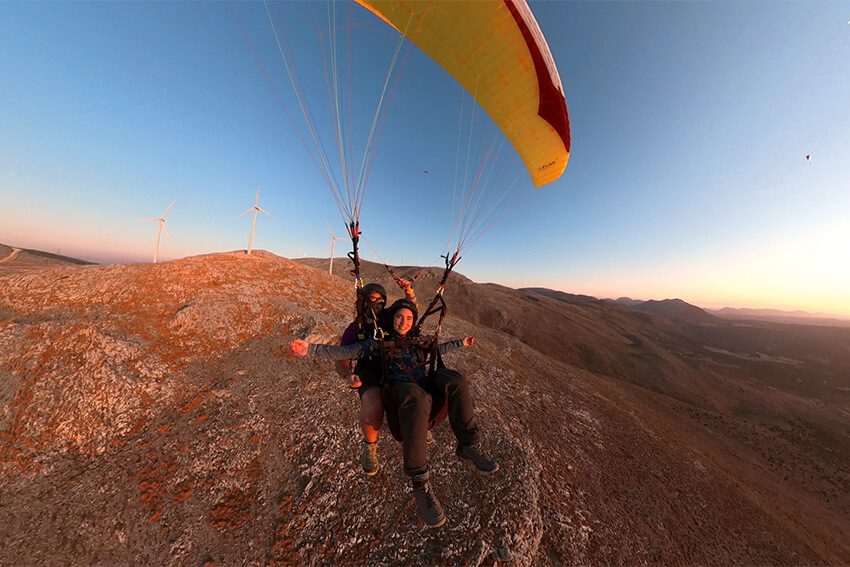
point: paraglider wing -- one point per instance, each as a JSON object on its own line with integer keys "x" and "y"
{"x": 496, "y": 50}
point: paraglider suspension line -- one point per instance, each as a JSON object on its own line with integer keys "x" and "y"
{"x": 438, "y": 304}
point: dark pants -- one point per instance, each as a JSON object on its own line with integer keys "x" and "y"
{"x": 411, "y": 404}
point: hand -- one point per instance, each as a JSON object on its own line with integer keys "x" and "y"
{"x": 353, "y": 380}
{"x": 299, "y": 348}
{"x": 468, "y": 341}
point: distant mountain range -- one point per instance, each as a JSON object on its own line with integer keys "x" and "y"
{"x": 782, "y": 316}
{"x": 678, "y": 310}
{"x": 684, "y": 313}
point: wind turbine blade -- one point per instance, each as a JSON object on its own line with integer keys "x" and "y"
{"x": 329, "y": 229}
{"x": 245, "y": 213}
{"x": 265, "y": 211}
{"x": 166, "y": 230}
{"x": 329, "y": 247}
{"x": 257, "y": 200}
{"x": 147, "y": 219}
{"x": 169, "y": 207}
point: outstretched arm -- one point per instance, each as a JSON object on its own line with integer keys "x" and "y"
{"x": 357, "y": 350}
{"x": 456, "y": 344}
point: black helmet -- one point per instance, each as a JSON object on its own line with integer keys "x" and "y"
{"x": 371, "y": 288}
{"x": 403, "y": 303}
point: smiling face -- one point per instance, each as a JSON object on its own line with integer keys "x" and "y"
{"x": 403, "y": 321}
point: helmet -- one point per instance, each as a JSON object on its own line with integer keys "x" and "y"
{"x": 372, "y": 309}
{"x": 371, "y": 288}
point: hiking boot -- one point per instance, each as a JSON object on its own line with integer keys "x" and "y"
{"x": 481, "y": 462}
{"x": 369, "y": 458}
{"x": 428, "y": 437}
{"x": 429, "y": 507}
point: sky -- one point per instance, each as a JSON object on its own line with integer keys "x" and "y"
{"x": 688, "y": 176}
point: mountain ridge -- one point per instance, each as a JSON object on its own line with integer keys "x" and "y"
{"x": 44, "y": 259}
{"x": 776, "y": 315}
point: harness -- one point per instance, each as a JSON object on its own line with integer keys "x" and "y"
{"x": 369, "y": 328}
{"x": 427, "y": 346}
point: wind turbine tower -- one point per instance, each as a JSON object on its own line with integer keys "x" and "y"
{"x": 161, "y": 221}
{"x": 332, "y": 245}
{"x": 256, "y": 208}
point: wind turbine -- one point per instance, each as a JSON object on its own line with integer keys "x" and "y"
{"x": 332, "y": 245}
{"x": 161, "y": 221}
{"x": 256, "y": 208}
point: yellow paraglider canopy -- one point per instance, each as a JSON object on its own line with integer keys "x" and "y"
{"x": 496, "y": 50}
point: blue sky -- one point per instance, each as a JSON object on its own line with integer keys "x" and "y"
{"x": 688, "y": 178}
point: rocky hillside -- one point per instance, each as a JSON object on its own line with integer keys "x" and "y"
{"x": 152, "y": 414}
